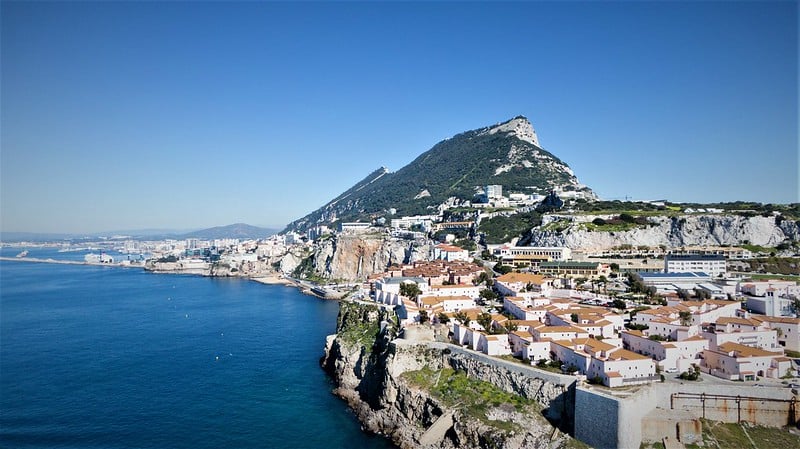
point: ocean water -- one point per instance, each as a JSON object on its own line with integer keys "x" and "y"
{"x": 101, "y": 357}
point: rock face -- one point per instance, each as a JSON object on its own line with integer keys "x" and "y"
{"x": 368, "y": 375}
{"x": 687, "y": 230}
{"x": 355, "y": 256}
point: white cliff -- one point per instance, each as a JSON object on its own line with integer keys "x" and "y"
{"x": 713, "y": 230}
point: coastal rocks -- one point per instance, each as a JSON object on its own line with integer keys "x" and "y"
{"x": 689, "y": 230}
{"x": 369, "y": 374}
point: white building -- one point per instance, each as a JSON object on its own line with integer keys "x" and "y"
{"x": 355, "y": 226}
{"x": 450, "y": 253}
{"x": 556, "y": 253}
{"x": 494, "y": 191}
{"x": 423, "y": 221}
{"x": 713, "y": 264}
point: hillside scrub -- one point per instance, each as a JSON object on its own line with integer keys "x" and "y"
{"x": 502, "y": 229}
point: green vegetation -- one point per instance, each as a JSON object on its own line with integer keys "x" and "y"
{"x": 621, "y": 222}
{"x": 692, "y": 374}
{"x": 556, "y": 226}
{"x": 452, "y": 168}
{"x": 777, "y": 265}
{"x": 354, "y": 329}
{"x": 756, "y": 249}
{"x": 306, "y": 271}
{"x": 504, "y": 228}
{"x": 781, "y": 277}
{"x": 618, "y": 207}
{"x": 467, "y": 244}
{"x": 746, "y": 435}
{"x": 792, "y": 354}
{"x": 409, "y": 289}
{"x": 473, "y": 397}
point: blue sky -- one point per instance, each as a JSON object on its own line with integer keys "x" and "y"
{"x": 186, "y": 115}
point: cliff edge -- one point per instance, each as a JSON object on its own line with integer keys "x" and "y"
{"x": 422, "y": 393}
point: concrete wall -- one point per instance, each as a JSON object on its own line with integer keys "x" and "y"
{"x": 763, "y": 412}
{"x": 606, "y": 421}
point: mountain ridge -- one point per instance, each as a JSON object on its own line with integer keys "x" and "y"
{"x": 506, "y": 153}
{"x": 236, "y": 230}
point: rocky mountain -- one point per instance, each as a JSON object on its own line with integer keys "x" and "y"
{"x": 234, "y": 231}
{"x": 676, "y": 231}
{"x": 353, "y": 257}
{"x": 507, "y": 154}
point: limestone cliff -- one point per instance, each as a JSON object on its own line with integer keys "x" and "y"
{"x": 353, "y": 257}
{"x": 667, "y": 231}
{"x": 372, "y": 371}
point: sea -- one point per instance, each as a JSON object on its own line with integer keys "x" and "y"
{"x": 107, "y": 357}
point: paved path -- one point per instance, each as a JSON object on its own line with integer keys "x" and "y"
{"x": 437, "y": 431}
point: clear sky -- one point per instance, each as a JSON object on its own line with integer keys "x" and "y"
{"x": 186, "y": 115}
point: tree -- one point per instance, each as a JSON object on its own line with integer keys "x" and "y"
{"x": 485, "y": 320}
{"x": 488, "y": 294}
{"x": 693, "y": 373}
{"x": 683, "y": 294}
{"x": 618, "y": 304}
{"x": 410, "y": 289}
{"x": 686, "y": 317}
{"x": 461, "y": 317}
{"x": 483, "y": 278}
{"x": 573, "y": 317}
{"x": 502, "y": 269}
{"x": 423, "y": 317}
{"x": 443, "y": 318}
{"x": 511, "y": 326}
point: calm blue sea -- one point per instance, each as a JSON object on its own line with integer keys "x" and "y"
{"x": 101, "y": 357}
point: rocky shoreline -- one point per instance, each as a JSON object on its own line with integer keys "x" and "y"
{"x": 388, "y": 383}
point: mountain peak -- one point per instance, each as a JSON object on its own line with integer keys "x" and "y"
{"x": 506, "y": 154}
{"x": 519, "y": 126}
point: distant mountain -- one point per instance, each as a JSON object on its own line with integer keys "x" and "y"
{"x": 235, "y": 231}
{"x": 506, "y": 154}
{"x": 8, "y": 237}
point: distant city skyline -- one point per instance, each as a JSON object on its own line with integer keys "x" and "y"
{"x": 173, "y": 115}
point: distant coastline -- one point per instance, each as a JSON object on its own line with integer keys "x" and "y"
{"x": 305, "y": 287}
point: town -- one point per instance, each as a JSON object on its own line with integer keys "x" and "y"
{"x": 614, "y": 317}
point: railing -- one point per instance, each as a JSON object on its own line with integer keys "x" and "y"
{"x": 703, "y": 397}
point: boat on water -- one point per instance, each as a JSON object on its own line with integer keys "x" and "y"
{"x": 23, "y": 254}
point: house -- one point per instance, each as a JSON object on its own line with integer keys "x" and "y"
{"x": 450, "y": 252}
{"x": 770, "y": 288}
{"x": 469, "y": 290}
{"x": 673, "y": 355}
{"x": 743, "y": 331}
{"x": 446, "y": 304}
{"x": 613, "y": 366}
{"x": 787, "y": 330}
{"x": 523, "y": 284}
{"x": 526, "y": 308}
{"x": 492, "y": 344}
{"x": 739, "y": 362}
{"x": 543, "y": 332}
